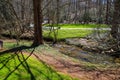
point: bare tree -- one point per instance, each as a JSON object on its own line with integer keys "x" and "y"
{"x": 115, "y": 30}
{"x": 38, "y": 39}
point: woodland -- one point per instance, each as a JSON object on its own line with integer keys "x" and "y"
{"x": 59, "y": 39}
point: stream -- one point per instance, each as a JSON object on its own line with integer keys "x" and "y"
{"x": 90, "y": 49}
{"x": 78, "y": 53}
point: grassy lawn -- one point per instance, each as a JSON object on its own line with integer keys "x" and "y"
{"x": 32, "y": 68}
{"x": 64, "y": 34}
{"x": 81, "y": 25}
{"x": 73, "y": 33}
{"x": 13, "y": 66}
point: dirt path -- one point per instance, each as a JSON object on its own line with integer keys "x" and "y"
{"x": 47, "y": 28}
{"x": 75, "y": 69}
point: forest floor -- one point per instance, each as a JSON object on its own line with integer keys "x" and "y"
{"x": 75, "y": 68}
{"x": 70, "y": 66}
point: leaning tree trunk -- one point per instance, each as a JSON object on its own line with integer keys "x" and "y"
{"x": 38, "y": 39}
{"x": 115, "y": 32}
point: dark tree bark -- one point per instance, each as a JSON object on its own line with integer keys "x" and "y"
{"x": 115, "y": 32}
{"x": 38, "y": 39}
{"x": 107, "y": 12}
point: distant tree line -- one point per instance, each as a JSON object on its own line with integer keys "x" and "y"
{"x": 18, "y": 14}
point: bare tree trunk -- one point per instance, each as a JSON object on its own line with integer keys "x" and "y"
{"x": 115, "y": 32}
{"x": 38, "y": 39}
{"x": 107, "y": 12}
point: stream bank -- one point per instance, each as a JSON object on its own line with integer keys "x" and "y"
{"x": 88, "y": 50}
{"x": 87, "y": 56}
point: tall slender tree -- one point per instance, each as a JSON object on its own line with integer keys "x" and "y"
{"x": 115, "y": 30}
{"x": 38, "y": 39}
{"x": 107, "y": 11}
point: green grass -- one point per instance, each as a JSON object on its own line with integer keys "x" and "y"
{"x": 8, "y": 45}
{"x": 81, "y": 25}
{"x": 40, "y": 70}
{"x": 64, "y": 34}
{"x": 73, "y": 33}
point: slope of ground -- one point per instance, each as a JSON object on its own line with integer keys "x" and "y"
{"x": 75, "y": 68}
{"x": 20, "y": 65}
{"x": 53, "y": 63}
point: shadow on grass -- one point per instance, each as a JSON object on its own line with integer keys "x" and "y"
{"x": 20, "y": 48}
{"x": 17, "y": 54}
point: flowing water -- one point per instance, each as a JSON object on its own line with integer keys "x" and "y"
{"x": 78, "y": 53}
